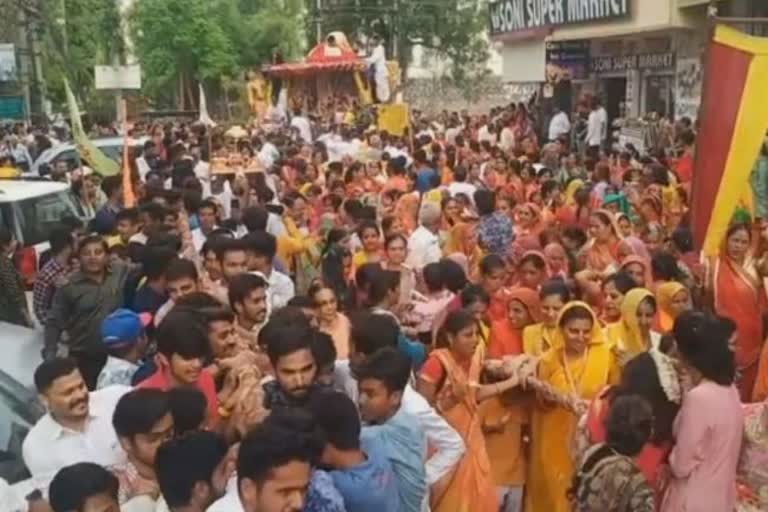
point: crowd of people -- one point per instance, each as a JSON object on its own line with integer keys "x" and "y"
{"x": 471, "y": 318}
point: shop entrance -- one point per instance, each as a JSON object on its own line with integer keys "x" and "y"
{"x": 615, "y": 96}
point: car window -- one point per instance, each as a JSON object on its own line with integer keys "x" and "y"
{"x": 113, "y": 152}
{"x": 19, "y": 411}
{"x": 38, "y": 216}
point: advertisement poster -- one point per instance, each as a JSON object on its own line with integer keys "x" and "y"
{"x": 689, "y": 78}
{"x": 7, "y": 63}
{"x": 568, "y": 58}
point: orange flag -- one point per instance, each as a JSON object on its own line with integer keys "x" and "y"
{"x": 129, "y": 198}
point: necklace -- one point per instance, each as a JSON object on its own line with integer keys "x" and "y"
{"x": 571, "y": 382}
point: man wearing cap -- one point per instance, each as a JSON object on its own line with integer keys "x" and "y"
{"x": 123, "y": 335}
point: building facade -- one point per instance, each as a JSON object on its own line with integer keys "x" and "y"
{"x": 639, "y": 56}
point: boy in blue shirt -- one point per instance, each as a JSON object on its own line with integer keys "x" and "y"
{"x": 363, "y": 475}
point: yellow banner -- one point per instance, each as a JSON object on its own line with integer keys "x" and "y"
{"x": 393, "y": 118}
{"x": 97, "y": 160}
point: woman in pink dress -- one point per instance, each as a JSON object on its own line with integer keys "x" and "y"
{"x": 708, "y": 429}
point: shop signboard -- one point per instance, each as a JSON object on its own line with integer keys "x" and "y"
{"x": 570, "y": 56}
{"x": 516, "y": 15}
{"x": 11, "y": 107}
{"x": 643, "y": 61}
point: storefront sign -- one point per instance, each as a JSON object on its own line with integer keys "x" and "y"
{"x": 645, "y": 61}
{"x": 11, "y": 107}
{"x": 570, "y": 56}
{"x": 516, "y": 15}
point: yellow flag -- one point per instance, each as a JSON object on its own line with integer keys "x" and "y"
{"x": 98, "y": 161}
{"x": 393, "y": 118}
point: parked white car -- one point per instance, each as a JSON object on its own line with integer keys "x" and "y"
{"x": 112, "y": 147}
{"x": 31, "y": 209}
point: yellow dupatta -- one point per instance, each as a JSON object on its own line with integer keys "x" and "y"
{"x": 624, "y": 335}
{"x": 665, "y": 294}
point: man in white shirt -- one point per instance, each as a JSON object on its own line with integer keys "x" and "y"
{"x": 78, "y": 425}
{"x": 596, "y": 128}
{"x": 507, "y": 137}
{"x": 378, "y": 60}
{"x": 303, "y": 125}
{"x": 262, "y": 248}
{"x": 424, "y": 244}
{"x": 559, "y": 124}
{"x": 206, "y": 217}
{"x": 460, "y": 185}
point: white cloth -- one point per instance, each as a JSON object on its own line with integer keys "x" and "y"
{"x": 10, "y": 501}
{"x": 49, "y": 447}
{"x": 275, "y": 225}
{"x": 447, "y": 443}
{"x": 281, "y": 289}
{"x": 423, "y": 249}
{"x": 559, "y": 125}
{"x": 268, "y": 154}
{"x": 484, "y": 134}
{"x": 451, "y": 134}
{"x": 198, "y": 239}
{"x": 378, "y": 59}
{"x": 594, "y": 129}
{"x": 230, "y": 502}
{"x": 462, "y": 187}
{"x": 603, "y": 115}
{"x": 301, "y": 123}
{"x": 507, "y": 139}
{"x": 143, "y": 167}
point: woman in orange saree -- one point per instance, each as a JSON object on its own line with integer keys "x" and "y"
{"x": 578, "y": 365}
{"x": 530, "y": 221}
{"x": 673, "y": 298}
{"x": 602, "y": 255}
{"x": 505, "y": 416}
{"x": 737, "y": 291}
{"x": 407, "y": 210}
{"x": 449, "y": 380}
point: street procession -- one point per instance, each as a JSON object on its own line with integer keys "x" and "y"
{"x": 383, "y": 256}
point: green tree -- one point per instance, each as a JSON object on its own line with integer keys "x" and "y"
{"x": 178, "y": 43}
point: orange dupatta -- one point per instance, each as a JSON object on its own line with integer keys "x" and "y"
{"x": 471, "y": 488}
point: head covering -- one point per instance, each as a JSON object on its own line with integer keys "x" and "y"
{"x": 555, "y": 250}
{"x": 571, "y": 189}
{"x": 665, "y": 294}
{"x": 123, "y": 327}
{"x": 631, "y": 338}
{"x": 633, "y": 258}
{"x": 618, "y": 198}
{"x": 636, "y": 246}
{"x": 457, "y": 240}
{"x": 529, "y": 298}
{"x": 596, "y": 336}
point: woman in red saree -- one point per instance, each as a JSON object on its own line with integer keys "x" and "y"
{"x": 737, "y": 291}
{"x": 602, "y": 255}
{"x": 449, "y": 380}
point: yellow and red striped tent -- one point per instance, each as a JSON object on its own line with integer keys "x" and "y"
{"x": 734, "y": 119}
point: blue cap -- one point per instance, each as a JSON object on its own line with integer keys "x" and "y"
{"x": 123, "y": 327}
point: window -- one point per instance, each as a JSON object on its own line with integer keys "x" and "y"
{"x": 38, "y": 216}
{"x": 19, "y": 411}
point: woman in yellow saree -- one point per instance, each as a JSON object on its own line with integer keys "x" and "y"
{"x": 462, "y": 239}
{"x": 633, "y": 333}
{"x": 449, "y": 380}
{"x": 579, "y": 364}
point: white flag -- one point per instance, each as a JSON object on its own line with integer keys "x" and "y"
{"x": 204, "y": 117}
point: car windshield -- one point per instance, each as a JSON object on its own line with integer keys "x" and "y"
{"x": 38, "y": 216}
{"x": 19, "y": 411}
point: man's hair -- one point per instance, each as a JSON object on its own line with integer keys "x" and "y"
{"x": 155, "y": 211}
{"x": 261, "y": 243}
{"x": 48, "y": 371}
{"x": 242, "y": 285}
{"x": 387, "y": 365}
{"x": 207, "y": 203}
{"x": 282, "y": 318}
{"x": 184, "y": 461}
{"x": 61, "y": 239}
{"x": 372, "y": 332}
{"x": 285, "y": 436}
{"x": 224, "y": 245}
{"x": 338, "y": 417}
{"x": 323, "y": 349}
{"x": 182, "y": 333}
{"x": 156, "y": 261}
{"x": 485, "y": 201}
{"x": 300, "y": 301}
{"x": 73, "y": 485}
{"x": 433, "y": 277}
{"x": 188, "y": 408}
{"x": 139, "y": 410}
{"x": 91, "y": 240}
{"x": 110, "y": 184}
{"x": 181, "y": 268}
{"x": 255, "y": 218}
{"x": 286, "y": 340}
{"x": 129, "y": 214}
